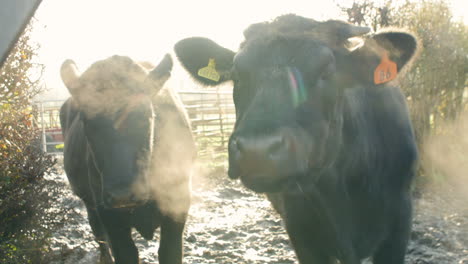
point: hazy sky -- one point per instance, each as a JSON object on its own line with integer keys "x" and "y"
{"x": 89, "y": 30}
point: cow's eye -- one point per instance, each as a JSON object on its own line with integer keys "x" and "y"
{"x": 328, "y": 72}
{"x": 326, "y": 76}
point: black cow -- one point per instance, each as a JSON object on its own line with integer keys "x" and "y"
{"x": 128, "y": 155}
{"x": 322, "y": 131}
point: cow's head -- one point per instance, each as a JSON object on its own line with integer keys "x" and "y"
{"x": 288, "y": 78}
{"x": 116, "y": 113}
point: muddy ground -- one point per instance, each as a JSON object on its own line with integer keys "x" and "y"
{"x": 229, "y": 224}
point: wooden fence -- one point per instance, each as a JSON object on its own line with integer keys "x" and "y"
{"x": 211, "y": 113}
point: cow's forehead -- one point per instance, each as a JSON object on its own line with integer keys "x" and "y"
{"x": 280, "y": 50}
{"x": 115, "y": 66}
{"x": 114, "y": 105}
{"x": 109, "y": 85}
{"x": 290, "y": 27}
{"x": 117, "y": 73}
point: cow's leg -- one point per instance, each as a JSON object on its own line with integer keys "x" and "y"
{"x": 171, "y": 245}
{"x": 100, "y": 235}
{"x": 393, "y": 249}
{"x": 309, "y": 255}
{"x": 119, "y": 233}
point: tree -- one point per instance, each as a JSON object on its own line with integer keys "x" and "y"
{"x": 437, "y": 81}
{"x": 24, "y": 193}
{"x": 436, "y": 84}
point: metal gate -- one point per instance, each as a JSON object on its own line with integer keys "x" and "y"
{"x": 211, "y": 114}
{"x": 48, "y": 121}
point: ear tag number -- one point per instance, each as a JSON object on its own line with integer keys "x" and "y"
{"x": 386, "y": 71}
{"x": 209, "y": 72}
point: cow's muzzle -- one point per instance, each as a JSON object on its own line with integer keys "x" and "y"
{"x": 265, "y": 162}
{"x": 123, "y": 198}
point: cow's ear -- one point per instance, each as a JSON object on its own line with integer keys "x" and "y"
{"x": 382, "y": 57}
{"x": 70, "y": 76}
{"x": 159, "y": 75}
{"x": 162, "y": 72}
{"x": 400, "y": 46}
{"x": 205, "y": 60}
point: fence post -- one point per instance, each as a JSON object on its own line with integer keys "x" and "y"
{"x": 44, "y": 139}
{"x": 220, "y": 114}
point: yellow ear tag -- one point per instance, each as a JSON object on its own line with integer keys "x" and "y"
{"x": 386, "y": 71}
{"x": 209, "y": 72}
{"x": 59, "y": 146}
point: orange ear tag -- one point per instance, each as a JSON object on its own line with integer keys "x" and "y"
{"x": 386, "y": 71}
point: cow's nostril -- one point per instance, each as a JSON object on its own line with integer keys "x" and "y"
{"x": 120, "y": 199}
{"x": 255, "y": 149}
{"x": 277, "y": 145}
{"x": 239, "y": 144}
{"x": 133, "y": 199}
{"x": 108, "y": 201}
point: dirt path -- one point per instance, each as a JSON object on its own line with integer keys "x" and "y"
{"x": 229, "y": 224}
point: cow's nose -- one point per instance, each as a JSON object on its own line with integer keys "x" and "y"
{"x": 120, "y": 199}
{"x": 260, "y": 161}
{"x": 270, "y": 148}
